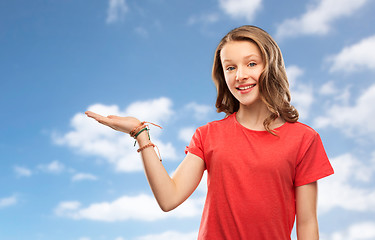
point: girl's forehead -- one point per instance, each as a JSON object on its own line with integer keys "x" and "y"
{"x": 239, "y": 49}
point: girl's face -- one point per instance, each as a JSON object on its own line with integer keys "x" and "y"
{"x": 242, "y": 64}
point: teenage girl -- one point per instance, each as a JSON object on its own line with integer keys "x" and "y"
{"x": 262, "y": 164}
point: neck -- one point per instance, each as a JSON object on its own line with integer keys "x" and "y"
{"x": 253, "y": 116}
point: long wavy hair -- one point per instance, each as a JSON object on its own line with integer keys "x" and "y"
{"x": 273, "y": 82}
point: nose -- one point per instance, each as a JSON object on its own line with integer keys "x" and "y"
{"x": 241, "y": 74}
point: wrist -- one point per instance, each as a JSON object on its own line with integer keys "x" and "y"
{"x": 137, "y": 129}
{"x": 143, "y": 138}
{"x": 141, "y": 134}
{"x": 145, "y": 129}
{"x": 143, "y": 126}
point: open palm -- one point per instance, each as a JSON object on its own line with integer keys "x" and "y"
{"x": 122, "y": 124}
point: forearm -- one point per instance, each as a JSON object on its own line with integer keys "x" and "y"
{"x": 162, "y": 185}
{"x": 308, "y": 230}
{"x": 169, "y": 192}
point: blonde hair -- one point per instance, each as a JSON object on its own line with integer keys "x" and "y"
{"x": 273, "y": 82}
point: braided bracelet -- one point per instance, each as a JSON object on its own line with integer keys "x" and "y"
{"x": 144, "y": 129}
{"x": 136, "y": 130}
{"x": 134, "y": 133}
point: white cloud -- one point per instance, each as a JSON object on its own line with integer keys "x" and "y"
{"x": 53, "y": 167}
{"x": 355, "y": 58}
{"x": 335, "y": 94}
{"x": 318, "y": 18}
{"x": 241, "y": 8}
{"x": 358, "y": 231}
{"x": 185, "y": 134}
{"x": 170, "y": 235}
{"x": 84, "y": 238}
{"x": 157, "y": 110}
{"x": 200, "y": 111}
{"x": 119, "y": 238}
{"x": 65, "y": 208}
{"x": 293, "y": 73}
{"x": 340, "y": 190}
{"x": 116, "y": 10}
{"x": 22, "y": 171}
{"x": 302, "y": 99}
{"x": 344, "y": 96}
{"x": 141, "y": 207}
{"x": 354, "y": 120}
{"x": 202, "y": 187}
{"x": 94, "y": 139}
{"x": 328, "y": 88}
{"x": 302, "y": 94}
{"x": 8, "y": 201}
{"x": 83, "y": 176}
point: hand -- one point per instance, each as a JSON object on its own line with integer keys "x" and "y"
{"x": 122, "y": 124}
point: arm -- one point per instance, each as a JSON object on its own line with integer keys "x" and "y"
{"x": 306, "y": 207}
{"x": 169, "y": 192}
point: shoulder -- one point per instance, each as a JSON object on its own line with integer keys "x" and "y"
{"x": 217, "y": 124}
{"x": 301, "y": 128}
{"x": 214, "y": 128}
{"x": 300, "y": 133}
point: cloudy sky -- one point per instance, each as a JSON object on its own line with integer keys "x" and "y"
{"x": 64, "y": 177}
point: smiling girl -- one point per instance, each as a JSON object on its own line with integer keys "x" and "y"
{"x": 262, "y": 164}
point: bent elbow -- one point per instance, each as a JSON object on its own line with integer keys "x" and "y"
{"x": 166, "y": 208}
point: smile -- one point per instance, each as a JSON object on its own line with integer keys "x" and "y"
{"x": 246, "y": 87}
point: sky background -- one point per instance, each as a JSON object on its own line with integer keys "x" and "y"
{"x": 65, "y": 177}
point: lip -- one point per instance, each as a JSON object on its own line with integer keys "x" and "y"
{"x": 246, "y": 90}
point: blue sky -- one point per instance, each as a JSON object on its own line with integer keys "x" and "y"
{"x": 64, "y": 177}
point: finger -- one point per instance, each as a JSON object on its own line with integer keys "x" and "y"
{"x": 101, "y": 119}
{"x": 113, "y": 117}
{"x": 89, "y": 113}
{"x": 106, "y": 123}
{"x": 94, "y": 115}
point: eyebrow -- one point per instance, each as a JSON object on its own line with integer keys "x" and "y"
{"x": 246, "y": 57}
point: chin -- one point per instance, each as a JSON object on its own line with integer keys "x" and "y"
{"x": 251, "y": 103}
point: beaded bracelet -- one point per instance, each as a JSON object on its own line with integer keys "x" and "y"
{"x": 146, "y": 146}
{"x": 149, "y": 145}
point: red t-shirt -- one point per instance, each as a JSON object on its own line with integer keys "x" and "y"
{"x": 252, "y": 177}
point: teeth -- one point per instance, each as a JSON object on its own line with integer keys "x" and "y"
{"x": 247, "y": 87}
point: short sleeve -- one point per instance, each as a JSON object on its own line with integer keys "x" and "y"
{"x": 196, "y": 147}
{"x": 314, "y": 163}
